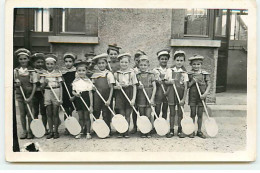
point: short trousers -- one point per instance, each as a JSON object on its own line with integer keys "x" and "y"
{"x": 19, "y": 96}
{"x": 159, "y": 95}
{"x": 172, "y": 97}
{"x": 194, "y": 97}
{"x": 49, "y": 98}
{"x": 141, "y": 100}
{"x": 120, "y": 99}
{"x": 80, "y": 106}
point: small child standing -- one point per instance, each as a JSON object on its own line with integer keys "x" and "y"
{"x": 38, "y": 60}
{"x": 179, "y": 77}
{"x": 82, "y": 87}
{"x": 160, "y": 72}
{"x": 68, "y": 74}
{"x": 126, "y": 78}
{"x": 104, "y": 81}
{"x": 136, "y": 70}
{"x": 113, "y": 52}
{"x": 203, "y": 79}
{"x": 52, "y": 78}
{"x": 147, "y": 80}
{"x": 24, "y": 76}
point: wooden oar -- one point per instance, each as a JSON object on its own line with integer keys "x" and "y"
{"x": 187, "y": 124}
{"x": 142, "y": 122}
{"x": 36, "y": 125}
{"x": 71, "y": 123}
{"x": 210, "y": 123}
{"x": 160, "y": 124}
{"x": 99, "y": 125}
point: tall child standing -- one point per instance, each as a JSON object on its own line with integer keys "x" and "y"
{"x": 25, "y": 77}
{"x": 82, "y": 87}
{"x": 160, "y": 72}
{"x": 127, "y": 80}
{"x": 176, "y": 75}
{"x": 68, "y": 74}
{"x": 104, "y": 82}
{"x": 203, "y": 79}
{"x": 146, "y": 80}
{"x": 38, "y": 60}
{"x": 52, "y": 78}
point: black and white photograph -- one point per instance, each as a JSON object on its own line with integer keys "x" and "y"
{"x": 126, "y": 83}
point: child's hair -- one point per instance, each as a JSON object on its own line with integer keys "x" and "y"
{"x": 113, "y": 47}
{"x": 139, "y": 53}
{"x": 37, "y": 56}
{"x": 70, "y": 55}
{"x": 196, "y": 57}
{"x": 179, "y": 53}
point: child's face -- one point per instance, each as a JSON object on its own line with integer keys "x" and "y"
{"x": 113, "y": 54}
{"x": 143, "y": 65}
{"x": 50, "y": 65}
{"x": 82, "y": 71}
{"x": 39, "y": 63}
{"x": 23, "y": 60}
{"x": 68, "y": 63}
{"x": 179, "y": 61}
{"x": 163, "y": 60}
{"x": 137, "y": 59}
{"x": 102, "y": 64}
{"x": 196, "y": 65}
{"x": 124, "y": 63}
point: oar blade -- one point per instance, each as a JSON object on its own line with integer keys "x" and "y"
{"x": 72, "y": 125}
{"x": 161, "y": 126}
{"x": 120, "y": 123}
{"x": 187, "y": 125}
{"x": 101, "y": 128}
{"x": 37, "y": 128}
{"x": 211, "y": 127}
{"x": 144, "y": 124}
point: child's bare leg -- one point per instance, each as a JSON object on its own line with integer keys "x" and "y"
{"x": 142, "y": 111}
{"x": 148, "y": 113}
{"x": 200, "y": 113}
{"x": 29, "y": 120}
{"x": 164, "y": 110}
{"x": 158, "y": 109}
{"x": 127, "y": 115}
{"x": 49, "y": 117}
{"x": 180, "y": 116}
{"x": 56, "y": 118}
{"x": 87, "y": 121}
{"x": 44, "y": 116}
{"x": 22, "y": 110}
{"x": 172, "y": 117}
{"x": 81, "y": 119}
{"x": 193, "y": 113}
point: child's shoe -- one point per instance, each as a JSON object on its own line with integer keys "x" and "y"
{"x": 148, "y": 135}
{"x": 50, "y": 135}
{"x": 179, "y": 131}
{"x": 56, "y": 135}
{"x": 134, "y": 130}
{"x": 153, "y": 131}
{"x": 78, "y": 136}
{"x": 88, "y": 136}
{"x": 192, "y": 135}
{"x": 143, "y": 135}
{"x": 120, "y": 135}
{"x": 170, "y": 134}
{"x": 201, "y": 135}
{"x": 182, "y": 135}
{"x": 30, "y": 135}
{"x": 23, "y": 135}
{"x": 66, "y": 132}
{"x": 126, "y": 135}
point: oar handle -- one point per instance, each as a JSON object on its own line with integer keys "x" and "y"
{"x": 147, "y": 98}
{"x": 87, "y": 107}
{"x": 28, "y": 107}
{"x": 137, "y": 113}
{"x": 102, "y": 98}
{"x": 203, "y": 102}
{"x": 178, "y": 97}
{"x": 164, "y": 91}
{"x": 58, "y": 100}
{"x": 69, "y": 94}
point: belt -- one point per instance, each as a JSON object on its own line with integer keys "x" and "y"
{"x": 48, "y": 88}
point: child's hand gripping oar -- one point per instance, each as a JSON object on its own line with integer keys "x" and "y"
{"x": 187, "y": 124}
{"x": 161, "y": 125}
{"x": 143, "y": 123}
{"x": 118, "y": 120}
{"x": 99, "y": 125}
{"x": 210, "y": 123}
{"x": 71, "y": 123}
{"x": 36, "y": 125}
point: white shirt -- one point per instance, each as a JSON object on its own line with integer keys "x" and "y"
{"x": 168, "y": 75}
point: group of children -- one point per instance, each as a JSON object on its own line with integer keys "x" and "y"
{"x": 80, "y": 80}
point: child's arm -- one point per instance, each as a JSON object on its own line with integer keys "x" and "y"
{"x": 60, "y": 83}
{"x": 153, "y": 93}
{"x": 110, "y": 94}
{"x": 134, "y": 95}
{"x": 91, "y": 102}
{"x": 168, "y": 77}
{"x": 208, "y": 83}
{"x": 32, "y": 94}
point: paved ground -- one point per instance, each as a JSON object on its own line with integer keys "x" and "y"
{"x": 231, "y": 138}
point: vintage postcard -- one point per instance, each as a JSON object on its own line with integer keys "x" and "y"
{"x": 130, "y": 81}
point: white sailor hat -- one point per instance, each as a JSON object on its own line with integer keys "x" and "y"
{"x": 120, "y": 56}
{"x": 178, "y": 53}
{"x": 196, "y": 57}
{"x": 163, "y": 52}
{"x": 103, "y": 56}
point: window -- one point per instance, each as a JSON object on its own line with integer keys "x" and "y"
{"x": 43, "y": 20}
{"x": 239, "y": 23}
{"x": 73, "y": 20}
{"x": 220, "y": 22}
{"x": 19, "y": 20}
{"x": 196, "y": 22}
